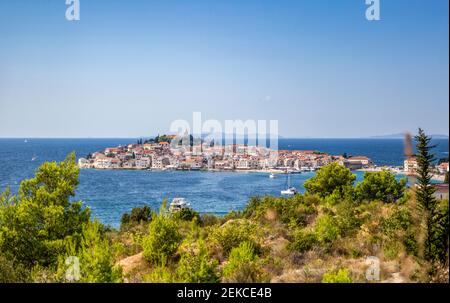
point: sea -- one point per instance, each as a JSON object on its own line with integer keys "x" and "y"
{"x": 111, "y": 193}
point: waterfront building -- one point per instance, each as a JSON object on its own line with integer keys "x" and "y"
{"x": 410, "y": 165}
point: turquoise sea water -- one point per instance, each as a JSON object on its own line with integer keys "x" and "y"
{"x": 110, "y": 193}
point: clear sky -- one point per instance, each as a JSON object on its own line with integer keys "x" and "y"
{"x": 129, "y": 68}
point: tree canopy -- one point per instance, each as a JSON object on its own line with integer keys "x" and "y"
{"x": 380, "y": 186}
{"x": 332, "y": 179}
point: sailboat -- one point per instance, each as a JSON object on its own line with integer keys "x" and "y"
{"x": 290, "y": 190}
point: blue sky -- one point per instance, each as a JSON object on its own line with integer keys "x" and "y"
{"x": 129, "y": 68}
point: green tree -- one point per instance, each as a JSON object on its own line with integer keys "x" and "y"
{"x": 332, "y": 179}
{"x": 35, "y": 224}
{"x": 426, "y": 200}
{"x": 446, "y": 178}
{"x": 380, "y": 186}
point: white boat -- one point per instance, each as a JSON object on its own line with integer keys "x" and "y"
{"x": 33, "y": 158}
{"x": 290, "y": 190}
{"x": 272, "y": 176}
{"x": 178, "y": 204}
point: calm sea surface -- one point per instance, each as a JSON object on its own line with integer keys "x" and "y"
{"x": 111, "y": 193}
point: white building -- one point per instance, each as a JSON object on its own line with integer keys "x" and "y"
{"x": 410, "y": 165}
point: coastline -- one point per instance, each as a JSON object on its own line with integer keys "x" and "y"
{"x": 393, "y": 169}
{"x": 398, "y": 171}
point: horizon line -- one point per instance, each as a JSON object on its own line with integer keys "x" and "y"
{"x": 280, "y": 137}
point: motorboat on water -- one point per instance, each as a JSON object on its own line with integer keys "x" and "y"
{"x": 272, "y": 176}
{"x": 178, "y": 204}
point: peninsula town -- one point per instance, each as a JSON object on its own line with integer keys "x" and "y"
{"x": 163, "y": 153}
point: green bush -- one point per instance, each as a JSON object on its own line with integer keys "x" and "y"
{"x": 233, "y": 233}
{"x": 243, "y": 266}
{"x": 186, "y": 214}
{"x": 337, "y": 276}
{"x": 208, "y": 220}
{"x": 196, "y": 266}
{"x": 162, "y": 240}
{"x": 348, "y": 217}
{"x": 292, "y": 210}
{"x": 399, "y": 220}
{"x": 303, "y": 241}
{"x": 95, "y": 257}
{"x": 12, "y": 272}
{"x": 326, "y": 229}
{"x": 391, "y": 249}
{"x": 380, "y": 186}
{"x": 410, "y": 242}
{"x": 138, "y": 215}
{"x": 161, "y": 274}
{"x": 440, "y": 232}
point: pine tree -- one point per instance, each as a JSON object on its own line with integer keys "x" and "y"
{"x": 425, "y": 190}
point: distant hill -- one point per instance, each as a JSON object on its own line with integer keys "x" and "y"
{"x": 402, "y": 135}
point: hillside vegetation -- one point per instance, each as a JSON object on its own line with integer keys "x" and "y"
{"x": 329, "y": 234}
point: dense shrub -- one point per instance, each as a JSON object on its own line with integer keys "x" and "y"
{"x": 348, "y": 217}
{"x": 196, "y": 266}
{"x": 12, "y": 272}
{"x": 138, "y": 215}
{"x": 399, "y": 220}
{"x": 326, "y": 229}
{"x": 303, "y": 241}
{"x": 337, "y": 276}
{"x": 162, "y": 240}
{"x": 440, "y": 232}
{"x": 161, "y": 273}
{"x": 243, "y": 266}
{"x": 208, "y": 220}
{"x": 293, "y": 210}
{"x": 233, "y": 233}
{"x": 380, "y": 186}
{"x": 95, "y": 257}
{"x": 186, "y": 214}
{"x": 398, "y": 230}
